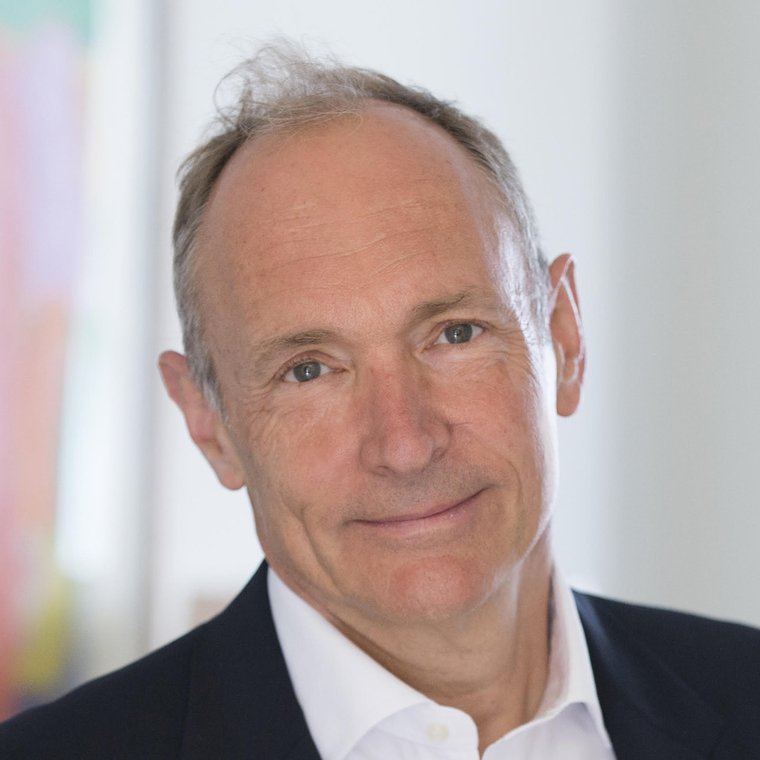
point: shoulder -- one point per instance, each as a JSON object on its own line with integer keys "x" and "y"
{"x": 665, "y": 628}
{"x": 196, "y": 689}
{"x": 133, "y": 712}
{"x": 718, "y": 659}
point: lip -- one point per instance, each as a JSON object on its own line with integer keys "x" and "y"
{"x": 422, "y": 518}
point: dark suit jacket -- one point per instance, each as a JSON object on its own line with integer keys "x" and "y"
{"x": 671, "y": 686}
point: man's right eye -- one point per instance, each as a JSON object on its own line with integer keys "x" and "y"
{"x": 304, "y": 372}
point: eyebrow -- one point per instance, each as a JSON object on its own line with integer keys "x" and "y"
{"x": 270, "y": 349}
{"x": 430, "y": 309}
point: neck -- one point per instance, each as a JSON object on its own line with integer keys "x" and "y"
{"x": 493, "y": 664}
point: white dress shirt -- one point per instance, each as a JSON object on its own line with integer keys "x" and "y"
{"x": 357, "y": 710}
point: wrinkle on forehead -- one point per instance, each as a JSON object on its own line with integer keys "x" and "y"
{"x": 340, "y": 254}
{"x": 367, "y": 226}
{"x": 323, "y": 217}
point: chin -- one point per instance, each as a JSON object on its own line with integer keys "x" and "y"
{"x": 438, "y": 590}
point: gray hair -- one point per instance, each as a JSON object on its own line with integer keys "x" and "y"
{"x": 281, "y": 89}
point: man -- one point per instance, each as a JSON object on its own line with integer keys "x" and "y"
{"x": 376, "y": 349}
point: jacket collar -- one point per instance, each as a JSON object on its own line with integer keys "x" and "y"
{"x": 241, "y": 703}
{"x": 648, "y": 709}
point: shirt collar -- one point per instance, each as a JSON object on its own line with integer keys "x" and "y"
{"x": 344, "y": 693}
{"x": 571, "y": 678}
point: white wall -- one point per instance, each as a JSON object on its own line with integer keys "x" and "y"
{"x": 686, "y": 366}
{"x": 635, "y": 126}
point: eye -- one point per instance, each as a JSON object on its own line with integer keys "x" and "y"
{"x": 460, "y": 332}
{"x": 303, "y": 372}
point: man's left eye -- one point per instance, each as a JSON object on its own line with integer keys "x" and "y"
{"x": 462, "y": 332}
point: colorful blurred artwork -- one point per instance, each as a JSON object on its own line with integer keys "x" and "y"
{"x": 42, "y": 68}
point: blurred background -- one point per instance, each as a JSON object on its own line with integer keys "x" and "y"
{"x": 635, "y": 125}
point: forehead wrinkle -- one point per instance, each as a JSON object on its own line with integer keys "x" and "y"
{"x": 296, "y": 227}
{"x": 347, "y": 251}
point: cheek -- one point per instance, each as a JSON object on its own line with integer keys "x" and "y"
{"x": 508, "y": 415}
{"x": 290, "y": 430}
{"x": 498, "y": 396}
{"x": 298, "y": 460}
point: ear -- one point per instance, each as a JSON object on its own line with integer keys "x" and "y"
{"x": 567, "y": 334}
{"x": 203, "y": 421}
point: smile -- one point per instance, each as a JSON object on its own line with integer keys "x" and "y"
{"x": 425, "y": 519}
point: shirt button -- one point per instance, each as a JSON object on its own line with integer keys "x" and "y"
{"x": 437, "y": 732}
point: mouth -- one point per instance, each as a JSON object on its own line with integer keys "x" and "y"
{"x": 423, "y": 518}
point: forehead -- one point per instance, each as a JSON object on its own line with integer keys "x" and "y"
{"x": 379, "y": 197}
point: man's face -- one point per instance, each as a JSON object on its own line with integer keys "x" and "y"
{"x": 387, "y": 404}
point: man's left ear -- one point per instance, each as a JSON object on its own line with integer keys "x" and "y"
{"x": 567, "y": 334}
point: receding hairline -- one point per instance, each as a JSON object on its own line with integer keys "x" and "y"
{"x": 272, "y": 139}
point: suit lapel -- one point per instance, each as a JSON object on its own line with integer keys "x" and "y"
{"x": 648, "y": 710}
{"x": 241, "y": 702}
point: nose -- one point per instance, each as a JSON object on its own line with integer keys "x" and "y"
{"x": 403, "y": 430}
